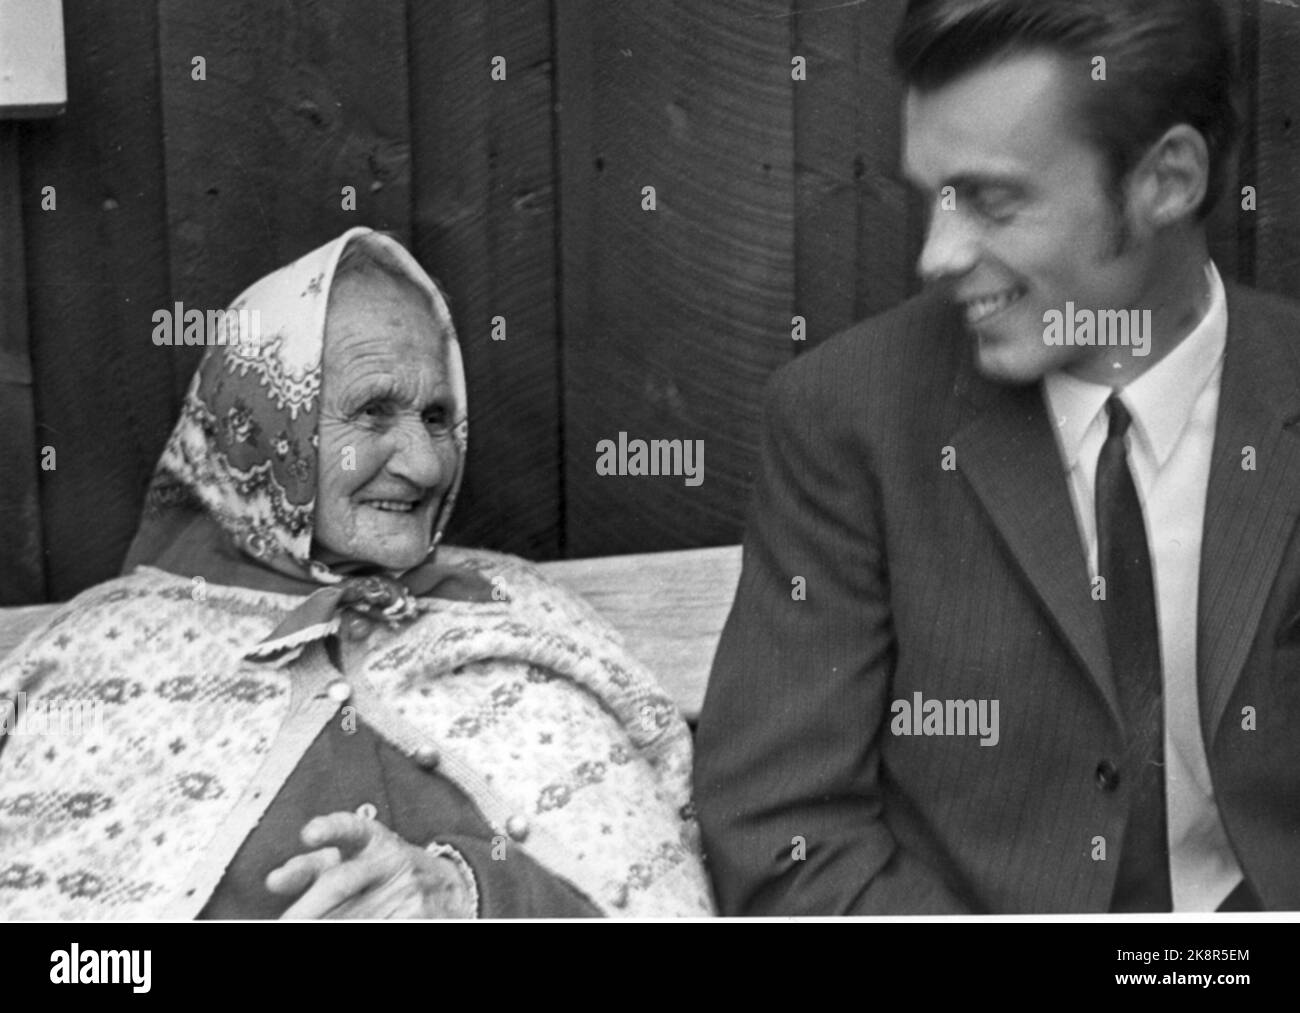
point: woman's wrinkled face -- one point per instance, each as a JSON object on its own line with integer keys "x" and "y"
{"x": 386, "y": 456}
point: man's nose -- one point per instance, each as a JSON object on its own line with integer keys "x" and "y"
{"x": 421, "y": 458}
{"x": 950, "y": 248}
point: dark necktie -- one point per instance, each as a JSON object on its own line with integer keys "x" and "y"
{"x": 1132, "y": 634}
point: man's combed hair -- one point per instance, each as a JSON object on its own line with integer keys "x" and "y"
{"x": 1167, "y": 62}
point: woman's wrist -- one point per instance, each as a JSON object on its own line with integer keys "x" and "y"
{"x": 455, "y": 870}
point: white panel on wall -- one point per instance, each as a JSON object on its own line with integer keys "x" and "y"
{"x": 33, "y": 81}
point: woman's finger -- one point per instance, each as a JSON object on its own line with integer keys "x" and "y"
{"x": 299, "y": 872}
{"x": 339, "y": 885}
{"x": 349, "y": 832}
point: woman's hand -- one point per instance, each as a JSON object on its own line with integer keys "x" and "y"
{"x": 358, "y": 868}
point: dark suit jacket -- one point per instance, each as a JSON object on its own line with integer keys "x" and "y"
{"x": 972, "y": 584}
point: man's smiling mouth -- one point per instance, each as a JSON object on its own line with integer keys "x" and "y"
{"x": 983, "y": 307}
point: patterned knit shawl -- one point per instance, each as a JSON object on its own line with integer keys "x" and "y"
{"x": 537, "y": 711}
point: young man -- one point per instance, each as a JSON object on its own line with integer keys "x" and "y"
{"x": 1019, "y": 624}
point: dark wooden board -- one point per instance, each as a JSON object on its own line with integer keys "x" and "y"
{"x": 97, "y": 270}
{"x": 22, "y": 570}
{"x": 673, "y": 318}
{"x": 1228, "y": 225}
{"x": 1277, "y": 126}
{"x": 852, "y": 237}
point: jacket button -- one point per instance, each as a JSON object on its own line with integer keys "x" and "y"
{"x": 339, "y": 691}
{"x": 427, "y": 757}
{"x": 1107, "y": 776}
{"x": 517, "y": 828}
{"x": 356, "y": 627}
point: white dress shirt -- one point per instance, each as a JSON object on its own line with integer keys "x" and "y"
{"x": 1174, "y": 405}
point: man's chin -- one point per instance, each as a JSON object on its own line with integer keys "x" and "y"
{"x": 1001, "y": 364}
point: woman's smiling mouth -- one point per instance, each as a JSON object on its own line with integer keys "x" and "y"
{"x": 393, "y": 506}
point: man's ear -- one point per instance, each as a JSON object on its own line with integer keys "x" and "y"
{"x": 1170, "y": 183}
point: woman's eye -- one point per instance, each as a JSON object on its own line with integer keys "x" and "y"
{"x": 436, "y": 418}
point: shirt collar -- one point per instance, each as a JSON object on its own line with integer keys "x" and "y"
{"x": 1160, "y": 400}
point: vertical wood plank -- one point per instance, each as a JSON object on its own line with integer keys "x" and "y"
{"x": 852, "y": 226}
{"x": 485, "y": 207}
{"x": 97, "y": 269}
{"x": 299, "y": 101}
{"x": 1227, "y": 223}
{"x": 1277, "y": 125}
{"x": 680, "y": 313}
{"x": 22, "y": 573}
{"x": 1248, "y": 157}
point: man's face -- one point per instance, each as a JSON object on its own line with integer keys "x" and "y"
{"x": 1033, "y": 226}
{"x": 385, "y": 457}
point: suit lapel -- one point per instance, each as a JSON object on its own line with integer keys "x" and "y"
{"x": 1008, "y": 454}
{"x": 1249, "y": 515}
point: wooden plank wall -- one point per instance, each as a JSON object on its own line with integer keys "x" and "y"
{"x": 20, "y": 549}
{"x": 1276, "y": 123}
{"x": 97, "y": 268}
{"x": 673, "y": 317}
{"x": 856, "y": 231}
{"x": 775, "y": 198}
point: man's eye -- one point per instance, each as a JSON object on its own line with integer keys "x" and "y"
{"x": 994, "y": 204}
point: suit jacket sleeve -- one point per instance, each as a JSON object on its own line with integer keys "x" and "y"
{"x": 788, "y": 775}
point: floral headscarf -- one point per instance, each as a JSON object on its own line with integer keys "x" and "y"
{"x": 234, "y": 494}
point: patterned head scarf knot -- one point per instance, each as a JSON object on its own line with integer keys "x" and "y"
{"x": 233, "y": 496}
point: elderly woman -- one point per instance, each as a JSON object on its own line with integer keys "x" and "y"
{"x": 306, "y": 711}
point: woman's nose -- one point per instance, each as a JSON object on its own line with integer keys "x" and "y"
{"x": 421, "y": 458}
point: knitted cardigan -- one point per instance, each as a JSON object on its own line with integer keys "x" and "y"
{"x": 565, "y": 743}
